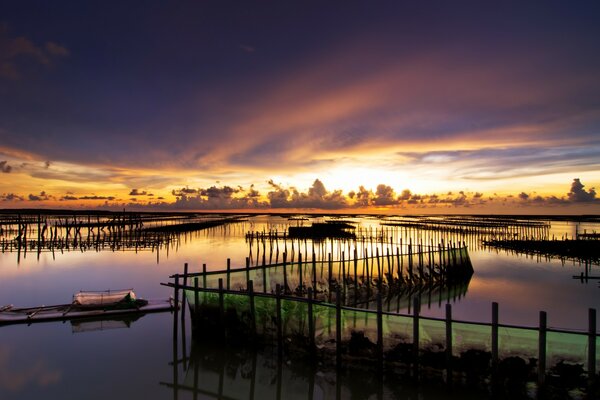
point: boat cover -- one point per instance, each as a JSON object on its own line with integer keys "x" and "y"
{"x": 104, "y": 298}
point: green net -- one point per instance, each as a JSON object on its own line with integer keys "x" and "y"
{"x": 466, "y": 336}
{"x": 517, "y": 342}
{"x": 571, "y": 347}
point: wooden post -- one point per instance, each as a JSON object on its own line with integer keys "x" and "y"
{"x": 449, "y": 339}
{"x": 355, "y": 276}
{"x": 204, "y": 276}
{"x": 311, "y": 321}
{"x": 228, "y": 274}
{"x": 278, "y": 319}
{"x": 314, "y": 272}
{"x": 185, "y": 273}
{"x": 416, "y": 310}
{"x": 390, "y": 267}
{"x": 355, "y": 264}
{"x": 196, "y": 296}
{"x": 343, "y": 276}
{"x": 542, "y": 348}
{"x": 367, "y": 270}
{"x": 264, "y": 276}
{"x": 176, "y": 289}
{"x": 410, "y": 259}
{"x": 494, "y": 335}
{"x": 285, "y": 283}
{"x": 591, "y": 343}
{"x": 379, "y": 331}
{"x": 338, "y": 325}
{"x": 330, "y": 279}
{"x": 221, "y": 306}
{"x": 183, "y": 297}
{"x": 420, "y": 257}
{"x": 247, "y": 269}
{"x": 378, "y": 267}
{"x": 300, "y": 285}
{"x": 250, "y": 286}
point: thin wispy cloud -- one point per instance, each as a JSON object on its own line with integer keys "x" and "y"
{"x": 390, "y": 106}
{"x": 15, "y": 52}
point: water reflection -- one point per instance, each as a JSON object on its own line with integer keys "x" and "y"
{"x": 38, "y": 372}
{"x": 215, "y": 370}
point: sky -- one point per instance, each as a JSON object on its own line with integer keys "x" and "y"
{"x": 387, "y": 106}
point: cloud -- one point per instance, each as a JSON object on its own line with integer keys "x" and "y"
{"x": 95, "y": 197}
{"x": 183, "y": 191}
{"x": 317, "y": 197}
{"x": 247, "y": 49}
{"x": 14, "y": 51}
{"x": 136, "y": 192}
{"x": 491, "y": 164}
{"x": 216, "y": 198}
{"x": 56, "y": 49}
{"x": 576, "y": 195}
{"x": 4, "y": 167}
{"x": 43, "y": 196}
{"x": 11, "y": 197}
{"x": 385, "y": 196}
{"x": 579, "y": 194}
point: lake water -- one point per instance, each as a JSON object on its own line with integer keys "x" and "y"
{"x": 60, "y": 360}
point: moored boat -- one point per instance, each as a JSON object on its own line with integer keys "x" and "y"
{"x": 96, "y": 304}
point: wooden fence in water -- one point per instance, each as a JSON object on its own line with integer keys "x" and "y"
{"x": 325, "y": 320}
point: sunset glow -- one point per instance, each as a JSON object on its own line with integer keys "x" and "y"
{"x": 395, "y": 108}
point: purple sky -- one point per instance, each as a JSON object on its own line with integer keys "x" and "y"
{"x": 100, "y": 98}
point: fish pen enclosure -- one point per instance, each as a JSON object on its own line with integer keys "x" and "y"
{"x": 394, "y": 275}
{"x": 34, "y": 232}
{"x": 346, "y": 313}
{"x": 585, "y": 250}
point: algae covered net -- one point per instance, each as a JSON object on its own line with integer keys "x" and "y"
{"x": 266, "y": 316}
{"x": 396, "y": 275}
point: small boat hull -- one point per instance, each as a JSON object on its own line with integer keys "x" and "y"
{"x": 65, "y": 312}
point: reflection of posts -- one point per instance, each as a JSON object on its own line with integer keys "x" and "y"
{"x": 176, "y": 311}
{"x": 416, "y": 310}
{"x": 591, "y": 344}
{"x": 542, "y": 349}
{"x": 449, "y": 343}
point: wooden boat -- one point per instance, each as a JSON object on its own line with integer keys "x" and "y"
{"x": 102, "y": 304}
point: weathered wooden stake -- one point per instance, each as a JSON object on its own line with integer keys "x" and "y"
{"x": 449, "y": 338}
{"x": 196, "y": 296}
{"x": 247, "y": 269}
{"x": 542, "y": 348}
{"x": 175, "y": 317}
{"x": 591, "y": 343}
{"x": 183, "y": 297}
{"x": 416, "y": 310}
{"x": 314, "y": 272}
{"x": 338, "y": 326}
{"x": 330, "y": 279}
{"x": 221, "y": 306}
{"x": 228, "y": 274}
{"x": 300, "y": 271}
{"x": 278, "y": 319}
{"x": 185, "y": 273}
{"x": 285, "y": 283}
{"x": 250, "y": 285}
{"x": 494, "y": 335}
{"x": 343, "y": 277}
{"x": 311, "y": 321}
{"x": 379, "y": 331}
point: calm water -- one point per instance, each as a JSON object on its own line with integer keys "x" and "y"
{"x": 57, "y": 360}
